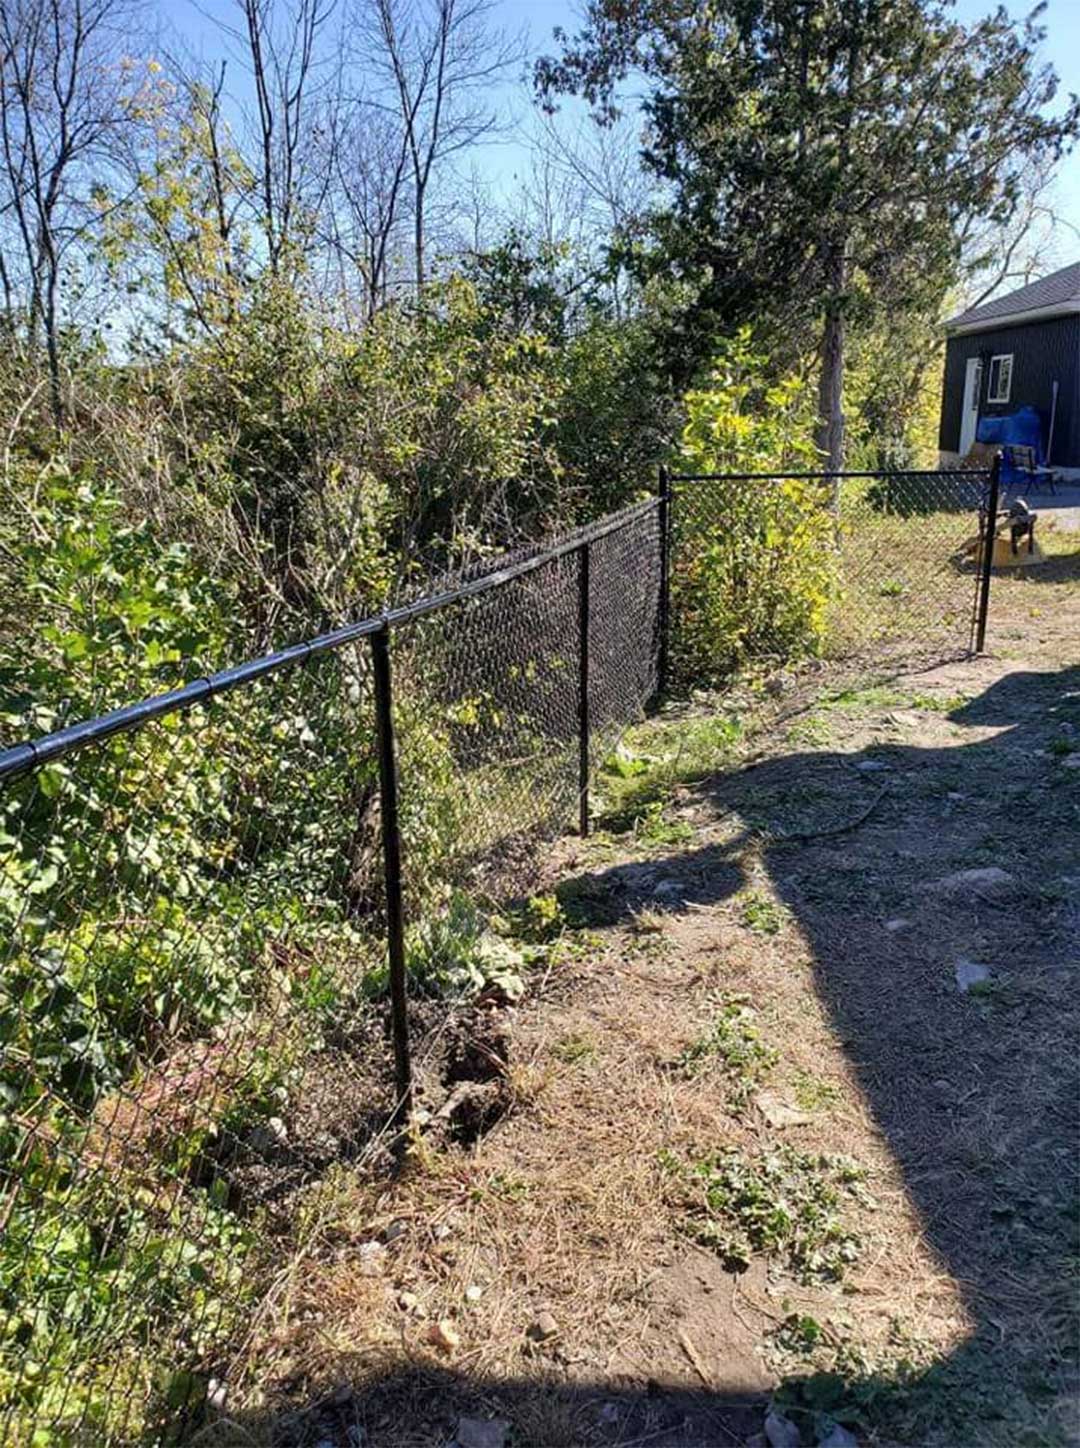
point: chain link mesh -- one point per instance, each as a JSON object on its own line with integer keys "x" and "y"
{"x": 192, "y": 1018}
{"x": 768, "y": 571}
{"x": 192, "y": 1010}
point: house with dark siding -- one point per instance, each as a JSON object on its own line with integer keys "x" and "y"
{"x": 1020, "y": 350}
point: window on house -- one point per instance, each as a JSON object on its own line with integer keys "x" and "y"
{"x": 1000, "y": 385}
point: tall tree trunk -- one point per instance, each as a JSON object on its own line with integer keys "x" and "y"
{"x": 418, "y": 239}
{"x": 52, "y": 344}
{"x": 830, "y": 429}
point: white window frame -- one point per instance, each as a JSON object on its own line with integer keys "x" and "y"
{"x": 1000, "y": 395}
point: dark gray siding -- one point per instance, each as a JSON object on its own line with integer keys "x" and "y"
{"x": 1042, "y": 351}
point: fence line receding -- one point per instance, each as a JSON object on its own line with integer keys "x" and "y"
{"x": 207, "y": 898}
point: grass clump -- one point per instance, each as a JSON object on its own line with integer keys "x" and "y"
{"x": 783, "y": 1204}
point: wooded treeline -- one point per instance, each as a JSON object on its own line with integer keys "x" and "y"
{"x": 265, "y": 304}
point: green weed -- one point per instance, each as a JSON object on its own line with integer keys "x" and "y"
{"x": 763, "y": 915}
{"x": 733, "y": 1043}
{"x": 653, "y": 828}
{"x": 783, "y": 1204}
{"x": 574, "y": 1050}
{"x": 812, "y": 1093}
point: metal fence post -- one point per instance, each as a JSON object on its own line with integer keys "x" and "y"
{"x": 986, "y": 553}
{"x": 583, "y": 689}
{"x": 664, "y": 520}
{"x": 391, "y": 841}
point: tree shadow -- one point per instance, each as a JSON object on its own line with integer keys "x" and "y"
{"x": 976, "y": 1094}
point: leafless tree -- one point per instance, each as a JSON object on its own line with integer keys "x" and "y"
{"x": 282, "y": 50}
{"x": 62, "y": 94}
{"x": 586, "y": 185}
{"x": 1015, "y": 252}
{"x": 368, "y": 203}
{"x": 437, "y": 61}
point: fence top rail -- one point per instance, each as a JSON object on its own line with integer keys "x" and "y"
{"x": 823, "y": 476}
{"x": 30, "y": 754}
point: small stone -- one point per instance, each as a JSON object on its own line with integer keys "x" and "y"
{"x": 778, "y": 1113}
{"x": 544, "y": 1328}
{"x": 473, "y": 1292}
{"x": 873, "y": 766}
{"x": 482, "y": 1432}
{"x": 956, "y": 796}
{"x": 421, "y": 1117}
{"x": 277, "y": 1129}
{"x": 216, "y": 1394}
{"x": 395, "y": 1230}
{"x": 781, "y": 1432}
{"x": 668, "y": 890}
{"x": 441, "y": 1232}
{"x": 839, "y": 1437}
{"x": 969, "y": 973}
{"x": 897, "y": 924}
{"x": 444, "y": 1335}
{"x": 371, "y": 1259}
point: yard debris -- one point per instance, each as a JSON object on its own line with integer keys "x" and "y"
{"x": 444, "y": 1335}
{"x": 482, "y": 1432}
{"x": 781, "y": 1432}
{"x": 969, "y": 973}
{"x": 778, "y": 1113}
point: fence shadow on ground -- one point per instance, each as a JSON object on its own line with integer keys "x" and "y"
{"x": 976, "y": 1097}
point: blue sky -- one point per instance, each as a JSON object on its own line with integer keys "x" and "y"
{"x": 501, "y": 162}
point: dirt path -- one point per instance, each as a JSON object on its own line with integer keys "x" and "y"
{"x": 794, "y": 1108}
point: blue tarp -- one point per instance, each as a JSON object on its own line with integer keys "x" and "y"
{"x": 1023, "y": 427}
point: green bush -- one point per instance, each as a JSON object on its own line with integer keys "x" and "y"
{"x": 754, "y": 561}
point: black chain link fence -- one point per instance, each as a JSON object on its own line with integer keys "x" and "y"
{"x": 196, "y": 896}
{"x": 874, "y": 568}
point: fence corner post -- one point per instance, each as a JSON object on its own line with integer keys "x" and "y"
{"x": 986, "y": 552}
{"x": 391, "y": 842}
{"x": 664, "y": 521}
{"x": 583, "y": 689}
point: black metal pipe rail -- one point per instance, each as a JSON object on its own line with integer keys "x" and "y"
{"x": 825, "y": 477}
